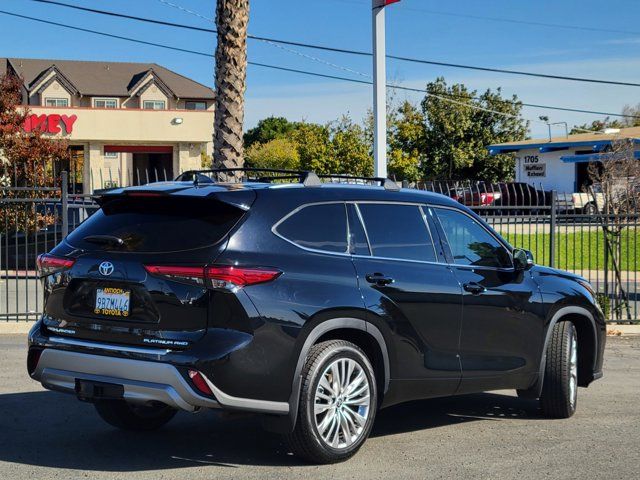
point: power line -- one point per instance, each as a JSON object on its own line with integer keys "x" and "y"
{"x": 512, "y": 20}
{"x": 355, "y": 52}
{"x": 286, "y": 69}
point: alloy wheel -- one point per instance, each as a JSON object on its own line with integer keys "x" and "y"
{"x": 342, "y": 403}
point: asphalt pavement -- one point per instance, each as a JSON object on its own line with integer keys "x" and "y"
{"x": 47, "y": 435}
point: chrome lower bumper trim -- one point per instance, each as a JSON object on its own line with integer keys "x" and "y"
{"x": 108, "y": 347}
{"x": 143, "y": 381}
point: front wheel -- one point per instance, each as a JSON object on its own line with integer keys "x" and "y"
{"x": 560, "y": 385}
{"x": 129, "y": 416}
{"x": 338, "y": 402}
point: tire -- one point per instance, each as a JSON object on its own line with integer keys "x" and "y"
{"x": 127, "y": 416}
{"x": 328, "y": 430}
{"x": 560, "y": 385}
{"x": 590, "y": 209}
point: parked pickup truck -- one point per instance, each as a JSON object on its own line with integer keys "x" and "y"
{"x": 586, "y": 203}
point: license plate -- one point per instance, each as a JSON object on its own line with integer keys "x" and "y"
{"x": 113, "y": 302}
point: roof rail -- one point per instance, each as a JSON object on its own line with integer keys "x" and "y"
{"x": 267, "y": 175}
{"x": 387, "y": 183}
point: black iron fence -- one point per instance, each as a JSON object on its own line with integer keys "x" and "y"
{"x": 573, "y": 232}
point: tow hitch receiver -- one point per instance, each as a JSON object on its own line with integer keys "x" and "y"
{"x": 90, "y": 391}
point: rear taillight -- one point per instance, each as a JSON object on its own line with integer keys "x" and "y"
{"x": 48, "y": 264}
{"x": 231, "y": 277}
{"x": 216, "y": 276}
{"x": 199, "y": 381}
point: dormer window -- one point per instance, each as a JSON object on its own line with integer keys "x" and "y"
{"x": 105, "y": 103}
{"x": 154, "y": 105}
{"x": 56, "y": 102}
{"x": 194, "y": 105}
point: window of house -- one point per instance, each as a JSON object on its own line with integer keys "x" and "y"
{"x": 192, "y": 105}
{"x": 56, "y": 102}
{"x": 397, "y": 231}
{"x": 470, "y": 242}
{"x": 154, "y": 104}
{"x": 319, "y": 227}
{"x": 105, "y": 103}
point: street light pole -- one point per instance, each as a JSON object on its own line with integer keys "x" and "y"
{"x": 380, "y": 88}
{"x": 379, "y": 91}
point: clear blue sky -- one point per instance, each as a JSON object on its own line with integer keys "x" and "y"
{"x": 414, "y": 28}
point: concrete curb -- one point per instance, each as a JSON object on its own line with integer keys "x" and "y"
{"x": 15, "y": 328}
{"x": 623, "y": 330}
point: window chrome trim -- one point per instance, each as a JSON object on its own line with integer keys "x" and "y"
{"x": 372, "y": 257}
{"x": 364, "y": 227}
{"x": 274, "y": 229}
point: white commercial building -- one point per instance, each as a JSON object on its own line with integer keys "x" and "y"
{"x": 562, "y": 163}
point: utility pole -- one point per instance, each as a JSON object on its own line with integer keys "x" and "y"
{"x": 380, "y": 88}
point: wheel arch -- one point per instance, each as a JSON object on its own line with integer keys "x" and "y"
{"x": 586, "y": 329}
{"x": 358, "y": 331}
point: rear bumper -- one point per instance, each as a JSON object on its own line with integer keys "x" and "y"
{"x": 142, "y": 381}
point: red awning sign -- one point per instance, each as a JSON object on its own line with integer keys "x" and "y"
{"x": 384, "y": 3}
{"x": 138, "y": 149}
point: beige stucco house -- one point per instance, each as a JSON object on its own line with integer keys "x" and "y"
{"x": 126, "y": 123}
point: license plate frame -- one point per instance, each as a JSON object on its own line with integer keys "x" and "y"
{"x": 112, "y": 302}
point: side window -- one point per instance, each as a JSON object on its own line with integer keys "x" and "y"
{"x": 470, "y": 243}
{"x": 397, "y": 231}
{"x": 320, "y": 227}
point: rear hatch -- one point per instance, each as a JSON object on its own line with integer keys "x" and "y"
{"x": 118, "y": 289}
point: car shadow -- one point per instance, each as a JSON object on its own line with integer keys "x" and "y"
{"x": 49, "y": 429}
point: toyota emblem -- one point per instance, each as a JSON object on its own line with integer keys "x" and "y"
{"x": 106, "y": 268}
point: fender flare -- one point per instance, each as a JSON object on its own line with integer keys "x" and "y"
{"x": 319, "y": 330}
{"x": 536, "y": 389}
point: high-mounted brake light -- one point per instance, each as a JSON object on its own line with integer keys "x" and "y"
{"x": 216, "y": 276}
{"x": 48, "y": 264}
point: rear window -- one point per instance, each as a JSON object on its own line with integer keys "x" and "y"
{"x": 319, "y": 227}
{"x": 158, "y": 224}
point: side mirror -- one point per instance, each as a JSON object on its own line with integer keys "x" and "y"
{"x": 522, "y": 259}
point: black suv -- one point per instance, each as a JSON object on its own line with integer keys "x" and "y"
{"x": 313, "y": 303}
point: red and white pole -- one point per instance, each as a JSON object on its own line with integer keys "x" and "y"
{"x": 380, "y": 88}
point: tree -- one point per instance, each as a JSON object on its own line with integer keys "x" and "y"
{"x": 269, "y": 129}
{"x": 26, "y": 159}
{"x": 631, "y": 119}
{"x": 232, "y": 18}
{"x": 597, "y": 126}
{"x": 407, "y": 142}
{"x": 618, "y": 178}
{"x": 279, "y": 153}
{"x": 459, "y": 127}
{"x": 351, "y": 154}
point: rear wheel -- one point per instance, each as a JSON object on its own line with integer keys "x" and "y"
{"x": 338, "y": 402}
{"x": 560, "y": 385}
{"x": 590, "y": 209}
{"x": 129, "y": 416}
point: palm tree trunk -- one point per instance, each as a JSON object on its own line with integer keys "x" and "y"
{"x": 232, "y": 18}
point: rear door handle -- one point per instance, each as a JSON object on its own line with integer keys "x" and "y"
{"x": 378, "y": 279}
{"x": 474, "y": 288}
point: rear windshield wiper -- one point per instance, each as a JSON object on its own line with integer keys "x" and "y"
{"x": 105, "y": 240}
